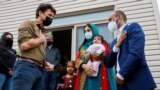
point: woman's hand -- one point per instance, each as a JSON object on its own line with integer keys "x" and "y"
{"x": 87, "y": 56}
{"x": 88, "y": 69}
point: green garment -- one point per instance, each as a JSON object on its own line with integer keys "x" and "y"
{"x": 91, "y": 83}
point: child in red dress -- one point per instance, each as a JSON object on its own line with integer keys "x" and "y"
{"x": 69, "y": 78}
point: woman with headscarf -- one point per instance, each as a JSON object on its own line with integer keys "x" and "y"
{"x": 7, "y": 59}
{"x": 105, "y": 78}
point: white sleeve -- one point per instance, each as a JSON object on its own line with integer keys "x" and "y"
{"x": 115, "y": 49}
{"x": 120, "y": 76}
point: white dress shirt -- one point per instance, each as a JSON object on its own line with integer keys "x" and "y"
{"x": 115, "y": 49}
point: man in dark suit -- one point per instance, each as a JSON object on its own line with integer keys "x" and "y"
{"x": 127, "y": 54}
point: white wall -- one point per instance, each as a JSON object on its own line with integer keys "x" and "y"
{"x": 13, "y": 12}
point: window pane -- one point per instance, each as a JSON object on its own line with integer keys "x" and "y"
{"x": 79, "y": 37}
{"x": 69, "y": 20}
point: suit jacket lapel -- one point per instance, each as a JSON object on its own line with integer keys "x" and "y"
{"x": 125, "y": 40}
{"x": 126, "y": 27}
{"x": 114, "y": 42}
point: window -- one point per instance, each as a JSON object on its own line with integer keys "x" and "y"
{"x": 77, "y": 21}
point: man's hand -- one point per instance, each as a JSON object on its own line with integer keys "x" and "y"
{"x": 121, "y": 38}
{"x": 10, "y": 72}
{"x": 42, "y": 38}
{"x": 119, "y": 81}
{"x": 49, "y": 67}
{"x": 31, "y": 43}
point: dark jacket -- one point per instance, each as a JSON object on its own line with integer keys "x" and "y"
{"x": 132, "y": 61}
{"x": 7, "y": 54}
{"x": 7, "y": 59}
{"x": 53, "y": 55}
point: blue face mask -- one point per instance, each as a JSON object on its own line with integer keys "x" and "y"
{"x": 88, "y": 35}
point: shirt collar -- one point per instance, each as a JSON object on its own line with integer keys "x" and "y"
{"x": 39, "y": 25}
{"x": 119, "y": 31}
{"x": 122, "y": 27}
{"x": 38, "y": 22}
{"x": 49, "y": 47}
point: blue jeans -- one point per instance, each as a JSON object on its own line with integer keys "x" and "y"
{"x": 27, "y": 76}
{"x": 2, "y": 80}
{"x": 8, "y": 83}
{"x": 50, "y": 80}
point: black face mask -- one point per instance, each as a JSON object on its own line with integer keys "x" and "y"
{"x": 9, "y": 42}
{"x": 49, "y": 43}
{"x": 47, "y": 22}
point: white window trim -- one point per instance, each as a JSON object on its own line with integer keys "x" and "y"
{"x": 73, "y": 45}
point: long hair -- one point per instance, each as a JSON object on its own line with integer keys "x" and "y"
{"x": 3, "y": 37}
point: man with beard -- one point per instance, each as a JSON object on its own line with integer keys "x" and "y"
{"x": 53, "y": 57}
{"x": 30, "y": 64}
{"x": 127, "y": 54}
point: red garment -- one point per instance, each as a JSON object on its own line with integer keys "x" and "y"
{"x": 104, "y": 75}
{"x": 69, "y": 82}
{"x": 76, "y": 86}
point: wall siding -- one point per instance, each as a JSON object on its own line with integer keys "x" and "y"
{"x": 16, "y": 11}
{"x": 13, "y": 12}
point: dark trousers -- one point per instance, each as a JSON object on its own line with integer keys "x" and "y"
{"x": 8, "y": 83}
{"x": 2, "y": 80}
{"x": 122, "y": 87}
{"x": 27, "y": 76}
{"x": 50, "y": 80}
